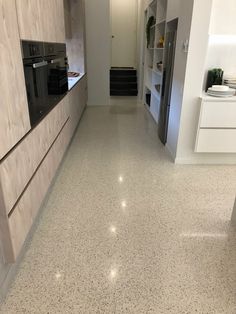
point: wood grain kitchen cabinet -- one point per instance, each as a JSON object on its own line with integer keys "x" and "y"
{"x": 29, "y": 19}
{"x": 17, "y": 169}
{"x": 28, "y": 171}
{"x": 19, "y": 222}
{"x": 41, "y": 20}
{"x": 14, "y": 116}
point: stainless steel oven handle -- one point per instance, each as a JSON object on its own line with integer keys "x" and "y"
{"x": 57, "y": 60}
{"x": 39, "y": 64}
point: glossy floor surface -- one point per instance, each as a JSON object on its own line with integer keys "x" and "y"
{"x": 126, "y": 231}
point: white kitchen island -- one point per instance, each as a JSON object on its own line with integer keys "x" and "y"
{"x": 217, "y": 125}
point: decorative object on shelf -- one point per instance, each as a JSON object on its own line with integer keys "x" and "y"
{"x": 148, "y": 99}
{"x": 161, "y": 42}
{"x": 160, "y": 66}
{"x": 214, "y": 77}
{"x": 221, "y": 91}
{"x": 151, "y": 22}
{"x": 158, "y": 88}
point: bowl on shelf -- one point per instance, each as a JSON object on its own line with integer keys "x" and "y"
{"x": 221, "y": 93}
{"x": 220, "y": 88}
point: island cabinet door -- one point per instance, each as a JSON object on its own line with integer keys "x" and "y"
{"x": 41, "y": 20}
{"x": 14, "y": 115}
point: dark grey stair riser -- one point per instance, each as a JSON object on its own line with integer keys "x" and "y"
{"x": 123, "y": 79}
{"x": 124, "y": 86}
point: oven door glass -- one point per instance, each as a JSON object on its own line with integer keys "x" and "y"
{"x": 37, "y": 90}
{"x": 57, "y": 76}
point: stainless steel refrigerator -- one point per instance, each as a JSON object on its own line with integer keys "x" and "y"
{"x": 168, "y": 68}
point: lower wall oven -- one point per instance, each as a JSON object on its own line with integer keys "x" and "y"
{"x": 45, "y": 69}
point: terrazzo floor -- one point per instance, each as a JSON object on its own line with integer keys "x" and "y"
{"x": 124, "y": 230}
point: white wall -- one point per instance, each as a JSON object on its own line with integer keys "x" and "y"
{"x": 195, "y": 71}
{"x": 98, "y": 44}
{"x": 223, "y": 19}
{"x": 222, "y": 40}
{"x": 222, "y": 53}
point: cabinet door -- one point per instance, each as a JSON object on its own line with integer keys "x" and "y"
{"x": 18, "y": 168}
{"x": 17, "y": 225}
{"x": 52, "y": 15}
{"x": 14, "y": 115}
{"x": 41, "y": 20}
{"x": 29, "y": 19}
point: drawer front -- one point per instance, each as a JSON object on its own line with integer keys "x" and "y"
{"x": 26, "y": 210}
{"x": 216, "y": 141}
{"x": 18, "y": 168}
{"x": 218, "y": 115}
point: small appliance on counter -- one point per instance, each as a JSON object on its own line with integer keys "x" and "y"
{"x": 220, "y": 91}
{"x": 214, "y": 77}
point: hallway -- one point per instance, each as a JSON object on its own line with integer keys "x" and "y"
{"x": 124, "y": 230}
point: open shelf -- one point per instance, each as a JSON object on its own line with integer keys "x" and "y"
{"x": 159, "y": 24}
{"x": 154, "y": 56}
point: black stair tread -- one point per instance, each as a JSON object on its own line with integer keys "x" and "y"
{"x": 132, "y": 78}
{"x": 123, "y": 72}
{"x": 131, "y": 92}
{"x": 122, "y": 68}
{"x": 123, "y": 94}
{"x": 123, "y": 80}
{"x": 125, "y": 85}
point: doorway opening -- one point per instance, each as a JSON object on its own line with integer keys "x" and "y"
{"x": 123, "y": 72}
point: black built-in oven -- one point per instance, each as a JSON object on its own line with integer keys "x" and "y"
{"x": 45, "y": 68}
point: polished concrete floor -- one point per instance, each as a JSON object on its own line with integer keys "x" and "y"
{"x": 126, "y": 231}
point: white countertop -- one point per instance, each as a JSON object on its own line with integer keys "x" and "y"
{"x": 218, "y": 99}
{"x": 72, "y": 81}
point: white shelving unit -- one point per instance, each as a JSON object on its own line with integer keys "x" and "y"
{"x": 154, "y": 55}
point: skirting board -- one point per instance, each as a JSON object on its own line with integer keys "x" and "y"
{"x": 200, "y": 159}
{"x": 206, "y": 161}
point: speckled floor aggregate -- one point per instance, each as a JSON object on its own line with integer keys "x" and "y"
{"x": 126, "y": 231}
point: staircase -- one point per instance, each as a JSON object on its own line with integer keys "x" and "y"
{"x": 123, "y": 82}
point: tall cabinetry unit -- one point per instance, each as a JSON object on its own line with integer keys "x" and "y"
{"x": 154, "y": 56}
{"x": 29, "y": 157}
{"x": 14, "y": 116}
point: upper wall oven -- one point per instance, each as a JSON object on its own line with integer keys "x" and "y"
{"x": 45, "y": 68}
